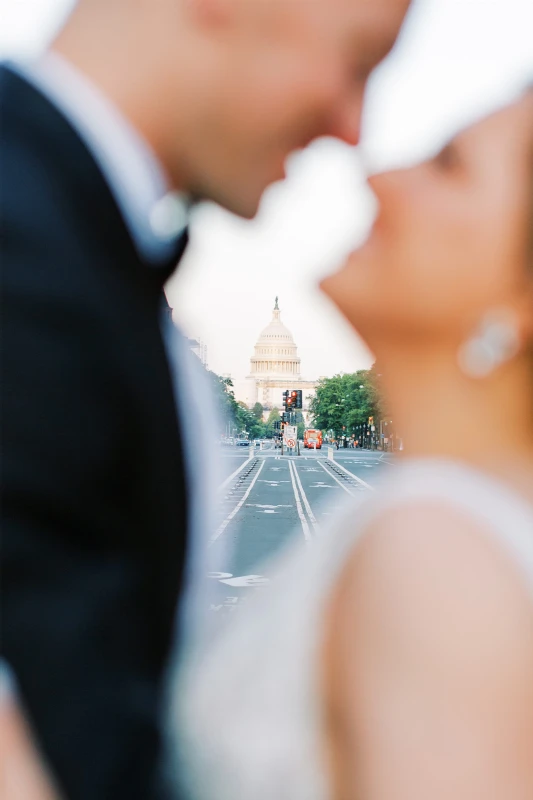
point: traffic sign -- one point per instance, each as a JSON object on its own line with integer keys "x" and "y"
{"x": 290, "y": 443}
{"x": 290, "y": 432}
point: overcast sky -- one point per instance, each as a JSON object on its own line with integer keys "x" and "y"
{"x": 456, "y": 60}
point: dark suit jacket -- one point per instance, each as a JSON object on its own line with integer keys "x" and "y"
{"x": 93, "y": 495}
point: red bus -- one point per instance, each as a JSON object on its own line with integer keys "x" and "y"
{"x": 313, "y": 439}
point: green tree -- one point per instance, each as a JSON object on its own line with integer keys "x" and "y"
{"x": 257, "y": 411}
{"x": 300, "y": 424}
{"x": 344, "y": 403}
{"x": 273, "y": 417}
{"x": 225, "y": 399}
{"x": 248, "y": 423}
{"x": 235, "y": 416}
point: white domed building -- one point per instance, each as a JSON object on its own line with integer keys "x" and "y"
{"x": 275, "y": 366}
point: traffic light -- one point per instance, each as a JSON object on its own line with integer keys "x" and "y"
{"x": 283, "y": 419}
{"x": 292, "y": 399}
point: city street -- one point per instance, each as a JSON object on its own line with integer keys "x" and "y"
{"x": 268, "y": 499}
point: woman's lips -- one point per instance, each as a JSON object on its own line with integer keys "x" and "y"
{"x": 376, "y": 229}
{"x": 377, "y": 225}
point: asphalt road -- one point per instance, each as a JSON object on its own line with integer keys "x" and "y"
{"x": 271, "y": 499}
{"x": 231, "y": 458}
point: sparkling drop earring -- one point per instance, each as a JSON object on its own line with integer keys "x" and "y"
{"x": 495, "y": 341}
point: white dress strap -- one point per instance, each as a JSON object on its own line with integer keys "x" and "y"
{"x": 500, "y": 510}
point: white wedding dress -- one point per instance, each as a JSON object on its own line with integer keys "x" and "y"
{"x": 247, "y": 715}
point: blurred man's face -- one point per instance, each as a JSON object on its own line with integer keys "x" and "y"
{"x": 270, "y": 76}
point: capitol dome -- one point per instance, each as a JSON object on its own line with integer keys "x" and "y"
{"x": 275, "y": 353}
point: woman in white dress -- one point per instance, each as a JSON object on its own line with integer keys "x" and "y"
{"x": 393, "y": 659}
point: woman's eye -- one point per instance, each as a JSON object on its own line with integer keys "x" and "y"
{"x": 448, "y": 158}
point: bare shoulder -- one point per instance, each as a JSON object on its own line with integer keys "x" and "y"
{"x": 429, "y": 661}
{"x": 433, "y": 562}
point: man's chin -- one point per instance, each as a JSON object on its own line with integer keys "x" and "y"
{"x": 243, "y": 203}
{"x": 245, "y": 210}
{"x": 244, "y": 207}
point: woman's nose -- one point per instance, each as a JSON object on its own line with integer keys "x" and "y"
{"x": 384, "y": 183}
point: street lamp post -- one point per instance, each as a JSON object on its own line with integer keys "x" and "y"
{"x": 383, "y": 436}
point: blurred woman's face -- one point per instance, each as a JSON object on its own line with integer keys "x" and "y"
{"x": 450, "y": 238}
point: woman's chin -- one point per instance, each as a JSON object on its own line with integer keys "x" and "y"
{"x": 355, "y": 305}
{"x": 332, "y": 287}
{"x": 325, "y": 285}
{"x": 340, "y": 286}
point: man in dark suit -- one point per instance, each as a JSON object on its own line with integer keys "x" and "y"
{"x": 136, "y": 102}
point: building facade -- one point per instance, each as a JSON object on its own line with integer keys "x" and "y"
{"x": 274, "y": 367}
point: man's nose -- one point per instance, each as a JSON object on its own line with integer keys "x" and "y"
{"x": 346, "y": 124}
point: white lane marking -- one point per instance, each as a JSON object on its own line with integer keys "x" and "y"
{"x": 234, "y": 475}
{"x": 331, "y": 475}
{"x": 220, "y": 530}
{"x": 266, "y": 509}
{"x": 306, "y": 501}
{"x": 247, "y": 580}
{"x": 305, "y": 526}
{"x": 359, "y": 461}
{"x": 267, "y": 505}
{"x": 322, "y": 486}
{"x": 359, "y": 480}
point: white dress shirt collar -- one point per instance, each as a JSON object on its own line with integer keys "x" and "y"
{"x": 155, "y": 216}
